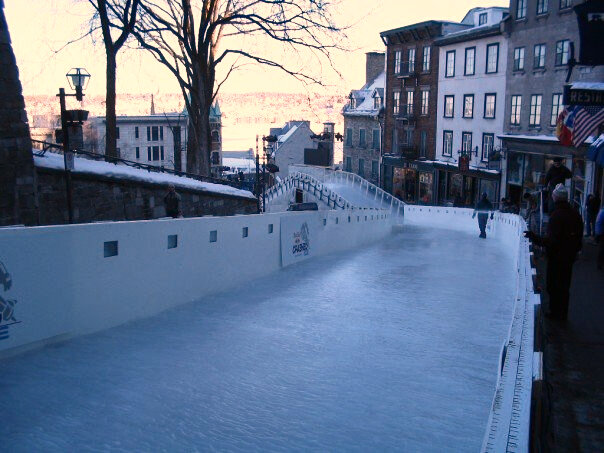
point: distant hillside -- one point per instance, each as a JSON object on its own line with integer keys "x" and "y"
{"x": 244, "y": 115}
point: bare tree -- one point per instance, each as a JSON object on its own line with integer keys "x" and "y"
{"x": 186, "y": 37}
{"x": 118, "y": 15}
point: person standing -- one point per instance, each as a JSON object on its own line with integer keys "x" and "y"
{"x": 562, "y": 242}
{"x": 172, "y": 201}
{"x": 482, "y": 209}
{"x": 592, "y": 206}
{"x": 557, "y": 174}
{"x": 600, "y": 237}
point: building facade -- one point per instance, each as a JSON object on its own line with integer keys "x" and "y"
{"x": 471, "y": 107}
{"x": 363, "y": 118}
{"x": 540, "y": 37}
{"x": 155, "y": 139}
{"x": 412, "y": 66}
{"x": 292, "y": 139}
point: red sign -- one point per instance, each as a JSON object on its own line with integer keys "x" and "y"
{"x": 464, "y": 163}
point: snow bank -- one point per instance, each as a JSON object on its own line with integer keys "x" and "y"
{"x": 101, "y": 168}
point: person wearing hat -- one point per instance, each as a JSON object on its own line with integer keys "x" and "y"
{"x": 482, "y": 209}
{"x": 562, "y": 243}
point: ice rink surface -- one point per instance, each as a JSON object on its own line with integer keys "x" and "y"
{"x": 393, "y": 347}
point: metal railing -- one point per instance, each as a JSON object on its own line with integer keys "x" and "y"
{"x": 311, "y": 185}
{"x": 370, "y": 191}
{"x": 42, "y": 147}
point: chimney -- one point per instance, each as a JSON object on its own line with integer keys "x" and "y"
{"x": 374, "y": 65}
{"x": 152, "y": 112}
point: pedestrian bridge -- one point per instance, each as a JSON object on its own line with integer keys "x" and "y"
{"x": 326, "y": 330}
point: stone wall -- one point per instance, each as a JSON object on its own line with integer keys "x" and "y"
{"x": 17, "y": 194}
{"x": 97, "y": 198}
{"x": 368, "y": 153}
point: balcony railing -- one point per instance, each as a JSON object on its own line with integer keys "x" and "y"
{"x": 408, "y": 69}
{"x": 407, "y": 111}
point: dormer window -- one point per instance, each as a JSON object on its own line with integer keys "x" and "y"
{"x": 352, "y": 103}
{"x": 482, "y": 18}
{"x": 377, "y": 103}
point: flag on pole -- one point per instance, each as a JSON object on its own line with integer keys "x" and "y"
{"x": 596, "y": 151}
{"x": 576, "y": 123}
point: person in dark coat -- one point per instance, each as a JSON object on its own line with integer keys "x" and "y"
{"x": 562, "y": 243}
{"x": 172, "y": 201}
{"x": 557, "y": 174}
{"x": 482, "y": 209}
{"x": 592, "y": 207}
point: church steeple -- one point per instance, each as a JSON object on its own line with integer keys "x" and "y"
{"x": 152, "y": 106}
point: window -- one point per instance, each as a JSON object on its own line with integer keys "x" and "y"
{"x": 482, "y": 18}
{"x": 148, "y": 153}
{"x": 348, "y": 164}
{"x": 466, "y": 142}
{"x": 521, "y": 9}
{"x": 449, "y": 106}
{"x": 349, "y": 136}
{"x": 397, "y": 62}
{"x": 411, "y": 55}
{"x": 215, "y": 136}
{"x": 361, "y": 167}
{"x": 487, "y": 146}
{"x": 492, "y": 58}
{"x": 362, "y": 138}
{"x": 155, "y": 133}
{"x": 468, "y": 105}
{"x": 394, "y": 140}
{"x": 397, "y": 102}
{"x": 562, "y": 52}
{"x": 450, "y": 65}
{"x": 155, "y": 152}
{"x": 516, "y": 107}
{"x": 519, "y": 59}
{"x": 409, "y": 137}
{"x": 138, "y": 152}
{"x": 535, "y": 114}
{"x": 556, "y": 108}
{"x": 377, "y": 103}
{"x": 539, "y": 56}
{"x": 425, "y": 102}
{"x": 541, "y": 6}
{"x": 409, "y": 105}
{"x": 376, "y": 139}
{"x": 136, "y": 132}
{"x": 489, "y": 105}
{"x": 564, "y": 4}
{"x": 374, "y": 169}
{"x": 423, "y": 143}
{"x": 426, "y": 59}
{"x": 117, "y": 133}
{"x": 469, "y": 66}
{"x": 161, "y": 150}
{"x": 447, "y": 143}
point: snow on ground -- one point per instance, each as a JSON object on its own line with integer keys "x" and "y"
{"x": 391, "y": 347}
{"x": 55, "y": 161}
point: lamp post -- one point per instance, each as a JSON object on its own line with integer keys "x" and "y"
{"x": 78, "y": 79}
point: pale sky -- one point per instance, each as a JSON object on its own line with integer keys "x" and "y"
{"x": 39, "y": 28}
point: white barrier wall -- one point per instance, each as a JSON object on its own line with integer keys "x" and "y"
{"x": 62, "y": 284}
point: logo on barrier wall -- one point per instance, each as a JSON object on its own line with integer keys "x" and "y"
{"x": 301, "y": 246}
{"x": 7, "y": 306}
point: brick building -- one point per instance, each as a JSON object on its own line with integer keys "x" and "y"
{"x": 410, "y": 117}
{"x": 362, "y": 125}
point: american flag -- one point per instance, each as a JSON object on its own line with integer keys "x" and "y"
{"x": 585, "y": 122}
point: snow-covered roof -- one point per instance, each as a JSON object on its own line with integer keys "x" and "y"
{"x": 283, "y": 138}
{"x": 237, "y": 163}
{"x": 471, "y": 33}
{"x": 541, "y": 138}
{"x": 597, "y": 86}
{"x": 55, "y": 162}
{"x": 366, "y": 105}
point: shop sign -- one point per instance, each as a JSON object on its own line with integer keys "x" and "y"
{"x": 575, "y": 96}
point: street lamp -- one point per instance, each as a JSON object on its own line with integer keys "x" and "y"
{"x": 78, "y": 79}
{"x": 71, "y": 124}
